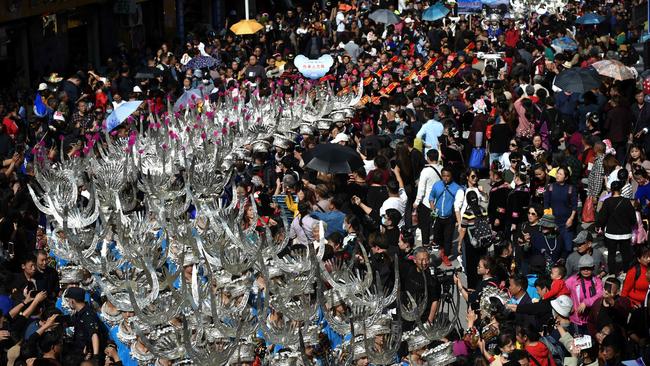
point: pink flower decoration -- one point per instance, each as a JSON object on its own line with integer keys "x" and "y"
{"x": 193, "y": 96}
{"x": 231, "y": 123}
{"x": 203, "y": 135}
{"x": 215, "y": 133}
{"x": 181, "y": 106}
{"x": 196, "y": 126}
{"x": 224, "y": 131}
{"x": 34, "y": 151}
{"x": 164, "y": 146}
{"x": 140, "y": 151}
{"x": 131, "y": 141}
{"x": 113, "y": 133}
{"x": 209, "y": 114}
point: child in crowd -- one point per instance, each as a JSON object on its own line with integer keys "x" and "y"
{"x": 558, "y": 287}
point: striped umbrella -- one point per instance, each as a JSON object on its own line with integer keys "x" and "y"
{"x": 613, "y": 69}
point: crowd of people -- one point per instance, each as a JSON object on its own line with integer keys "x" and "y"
{"x": 537, "y": 194}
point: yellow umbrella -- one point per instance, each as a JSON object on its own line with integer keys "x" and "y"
{"x": 248, "y": 26}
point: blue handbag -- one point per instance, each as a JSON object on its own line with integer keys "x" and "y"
{"x": 477, "y": 157}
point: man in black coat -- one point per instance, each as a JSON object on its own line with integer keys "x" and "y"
{"x": 416, "y": 277}
{"x": 641, "y": 112}
{"x": 47, "y": 278}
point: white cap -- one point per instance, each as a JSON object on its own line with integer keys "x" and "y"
{"x": 340, "y": 137}
{"x": 136, "y": 89}
{"x": 42, "y": 86}
{"x": 562, "y": 305}
{"x": 408, "y": 20}
{"x": 58, "y": 116}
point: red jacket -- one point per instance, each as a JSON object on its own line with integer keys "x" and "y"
{"x": 541, "y": 354}
{"x": 512, "y": 37}
{"x": 635, "y": 286}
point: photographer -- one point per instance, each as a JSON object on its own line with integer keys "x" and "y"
{"x": 418, "y": 275}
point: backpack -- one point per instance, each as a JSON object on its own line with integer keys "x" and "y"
{"x": 555, "y": 349}
{"x": 480, "y": 236}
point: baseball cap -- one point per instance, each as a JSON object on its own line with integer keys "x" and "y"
{"x": 583, "y": 237}
{"x": 42, "y": 86}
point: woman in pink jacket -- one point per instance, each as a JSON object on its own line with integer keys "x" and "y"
{"x": 585, "y": 289}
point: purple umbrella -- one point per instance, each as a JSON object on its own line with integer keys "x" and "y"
{"x": 201, "y": 62}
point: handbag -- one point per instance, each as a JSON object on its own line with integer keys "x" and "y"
{"x": 588, "y": 211}
{"x": 476, "y": 158}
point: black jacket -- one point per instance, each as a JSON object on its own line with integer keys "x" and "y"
{"x": 617, "y": 216}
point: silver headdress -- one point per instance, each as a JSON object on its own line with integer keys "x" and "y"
{"x": 442, "y": 355}
{"x": 416, "y": 340}
{"x": 71, "y": 274}
{"x": 110, "y": 313}
{"x": 324, "y": 124}
{"x": 488, "y": 295}
{"x": 132, "y": 231}
{"x": 245, "y": 353}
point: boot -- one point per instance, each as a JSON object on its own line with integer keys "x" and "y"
{"x": 444, "y": 258}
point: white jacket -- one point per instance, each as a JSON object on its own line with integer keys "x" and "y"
{"x": 428, "y": 177}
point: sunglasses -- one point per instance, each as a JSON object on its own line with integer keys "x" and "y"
{"x": 472, "y": 176}
{"x": 533, "y": 213}
{"x": 587, "y": 269}
{"x": 513, "y": 145}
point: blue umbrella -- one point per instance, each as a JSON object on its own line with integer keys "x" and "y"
{"x": 590, "y": 18}
{"x": 564, "y": 44}
{"x": 121, "y": 113}
{"x": 189, "y": 97}
{"x": 435, "y": 12}
{"x": 201, "y": 62}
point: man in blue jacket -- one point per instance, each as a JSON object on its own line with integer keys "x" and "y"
{"x": 444, "y": 194}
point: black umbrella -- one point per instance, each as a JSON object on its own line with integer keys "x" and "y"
{"x": 333, "y": 159}
{"x": 576, "y": 80}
